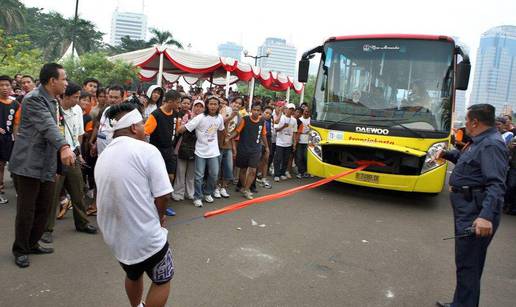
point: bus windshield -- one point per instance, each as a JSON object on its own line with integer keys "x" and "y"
{"x": 394, "y": 83}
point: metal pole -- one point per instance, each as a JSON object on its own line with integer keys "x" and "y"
{"x": 288, "y": 94}
{"x": 160, "y": 71}
{"x": 228, "y": 74}
{"x": 302, "y": 98}
{"x": 74, "y": 26}
{"x": 251, "y": 94}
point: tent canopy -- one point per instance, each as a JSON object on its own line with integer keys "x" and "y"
{"x": 192, "y": 67}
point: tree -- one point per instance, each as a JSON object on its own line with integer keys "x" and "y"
{"x": 97, "y": 65}
{"x": 18, "y": 56}
{"x": 12, "y": 16}
{"x": 127, "y": 44}
{"x": 163, "y": 38}
{"x": 52, "y": 33}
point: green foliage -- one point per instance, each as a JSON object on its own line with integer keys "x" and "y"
{"x": 18, "y": 56}
{"x": 97, "y": 65}
{"x": 12, "y": 16}
{"x": 52, "y": 33}
{"x": 163, "y": 38}
{"x": 127, "y": 45}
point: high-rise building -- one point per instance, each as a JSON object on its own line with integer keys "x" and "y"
{"x": 123, "y": 24}
{"x": 230, "y": 50}
{"x": 282, "y": 58}
{"x": 495, "y": 69}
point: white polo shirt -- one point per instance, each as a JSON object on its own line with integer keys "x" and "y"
{"x": 129, "y": 174}
{"x": 74, "y": 126}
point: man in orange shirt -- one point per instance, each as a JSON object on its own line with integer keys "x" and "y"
{"x": 162, "y": 126}
{"x": 253, "y": 134}
{"x": 9, "y": 121}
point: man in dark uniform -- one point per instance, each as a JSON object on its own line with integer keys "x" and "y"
{"x": 477, "y": 186}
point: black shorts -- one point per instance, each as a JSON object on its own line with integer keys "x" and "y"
{"x": 170, "y": 159}
{"x": 159, "y": 267}
{"x": 245, "y": 159}
{"x": 6, "y": 147}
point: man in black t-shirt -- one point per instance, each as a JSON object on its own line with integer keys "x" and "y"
{"x": 253, "y": 136}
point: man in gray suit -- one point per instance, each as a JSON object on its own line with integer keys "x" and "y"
{"x": 34, "y": 161}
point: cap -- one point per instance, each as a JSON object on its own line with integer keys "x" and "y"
{"x": 291, "y": 106}
{"x": 198, "y": 101}
{"x": 280, "y": 103}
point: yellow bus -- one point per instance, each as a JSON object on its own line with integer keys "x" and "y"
{"x": 388, "y": 98}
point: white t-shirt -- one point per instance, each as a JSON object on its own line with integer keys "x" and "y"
{"x": 285, "y": 137}
{"x": 129, "y": 174}
{"x": 74, "y": 124}
{"x": 303, "y": 137}
{"x": 105, "y": 133}
{"x": 206, "y": 128}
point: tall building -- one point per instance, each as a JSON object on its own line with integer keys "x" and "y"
{"x": 230, "y": 50}
{"x": 282, "y": 58}
{"x": 495, "y": 71}
{"x": 460, "y": 105}
{"x": 123, "y": 24}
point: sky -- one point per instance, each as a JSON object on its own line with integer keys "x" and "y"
{"x": 205, "y": 24}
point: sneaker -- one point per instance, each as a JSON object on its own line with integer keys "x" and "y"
{"x": 216, "y": 194}
{"x": 3, "y": 200}
{"x": 276, "y": 179}
{"x": 177, "y": 197}
{"x": 259, "y": 180}
{"x": 224, "y": 193}
{"x": 299, "y": 176}
{"x": 266, "y": 184}
{"x": 287, "y": 173}
{"x": 283, "y": 177}
{"x": 170, "y": 212}
{"x": 208, "y": 198}
{"x": 197, "y": 203}
{"x": 247, "y": 194}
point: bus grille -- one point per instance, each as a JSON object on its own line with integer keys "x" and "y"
{"x": 395, "y": 162}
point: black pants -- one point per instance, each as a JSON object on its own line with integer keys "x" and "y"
{"x": 470, "y": 252}
{"x": 32, "y": 210}
{"x": 281, "y": 157}
{"x": 301, "y": 158}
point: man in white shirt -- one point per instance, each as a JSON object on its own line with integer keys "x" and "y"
{"x": 104, "y": 132}
{"x": 71, "y": 125}
{"x": 207, "y": 128}
{"x": 286, "y": 130}
{"x": 133, "y": 189}
{"x": 303, "y": 128}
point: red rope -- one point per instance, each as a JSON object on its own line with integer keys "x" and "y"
{"x": 361, "y": 166}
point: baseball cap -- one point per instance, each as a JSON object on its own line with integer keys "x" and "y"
{"x": 198, "y": 101}
{"x": 280, "y": 103}
{"x": 291, "y": 106}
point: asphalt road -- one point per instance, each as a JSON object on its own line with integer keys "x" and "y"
{"x": 337, "y": 245}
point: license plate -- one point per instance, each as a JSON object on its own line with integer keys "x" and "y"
{"x": 367, "y": 177}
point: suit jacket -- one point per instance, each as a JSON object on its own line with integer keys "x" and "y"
{"x": 35, "y": 148}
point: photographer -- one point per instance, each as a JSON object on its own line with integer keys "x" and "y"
{"x": 71, "y": 126}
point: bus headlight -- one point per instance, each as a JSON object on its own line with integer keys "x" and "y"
{"x": 430, "y": 164}
{"x": 314, "y": 141}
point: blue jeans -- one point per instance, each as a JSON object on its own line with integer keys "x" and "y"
{"x": 213, "y": 173}
{"x": 226, "y": 164}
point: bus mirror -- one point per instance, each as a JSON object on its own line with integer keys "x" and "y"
{"x": 302, "y": 74}
{"x": 462, "y": 77}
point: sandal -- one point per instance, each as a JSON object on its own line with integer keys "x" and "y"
{"x": 91, "y": 212}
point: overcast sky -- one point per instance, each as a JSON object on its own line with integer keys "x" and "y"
{"x": 205, "y": 24}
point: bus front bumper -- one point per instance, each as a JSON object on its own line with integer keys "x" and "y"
{"x": 429, "y": 182}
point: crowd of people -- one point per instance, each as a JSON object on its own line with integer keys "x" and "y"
{"x": 209, "y": 142}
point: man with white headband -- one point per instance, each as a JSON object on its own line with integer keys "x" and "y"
{"x": 133, "y": 189}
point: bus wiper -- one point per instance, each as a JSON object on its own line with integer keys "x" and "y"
{"x": 414, "y": 132}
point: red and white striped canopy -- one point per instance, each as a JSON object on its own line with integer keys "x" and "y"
{"x": 194, "y": 67}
